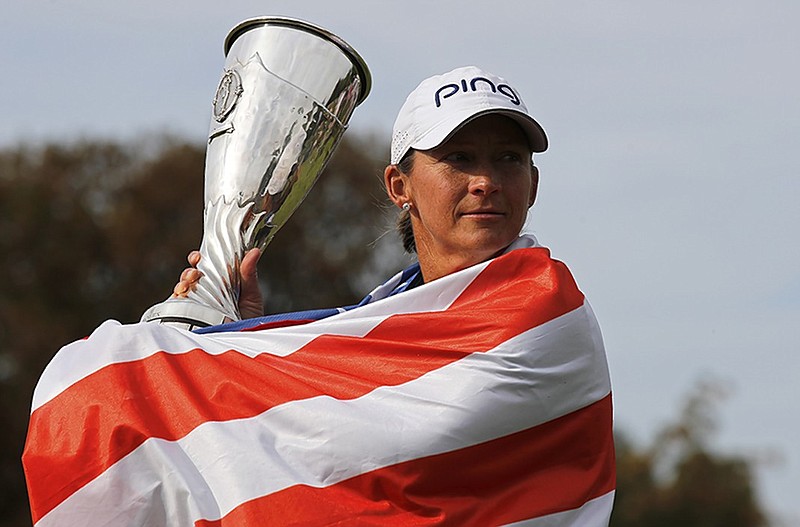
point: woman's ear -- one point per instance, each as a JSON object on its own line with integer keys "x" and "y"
{"x": 395, "y": 182}
{"x": 534, "y": 185}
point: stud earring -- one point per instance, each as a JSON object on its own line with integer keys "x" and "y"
{"x": 406, "y": 206}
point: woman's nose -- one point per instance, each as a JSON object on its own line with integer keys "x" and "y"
{"x": 484, "y": 181}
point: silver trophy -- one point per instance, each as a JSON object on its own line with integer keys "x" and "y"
{"x": 286, "y": 95}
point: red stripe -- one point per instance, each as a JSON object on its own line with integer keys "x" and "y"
{"x": 554, "y": 467}
{"x": 94, "y": 423}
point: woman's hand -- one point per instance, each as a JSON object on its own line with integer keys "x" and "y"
{"x": 251, "y": 303}
{"x": 189, "y": 277}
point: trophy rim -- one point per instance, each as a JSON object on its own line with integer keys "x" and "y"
{"x": 358, "y": 61}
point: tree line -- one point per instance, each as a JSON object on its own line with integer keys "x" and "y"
{"x": 97, "y": 230}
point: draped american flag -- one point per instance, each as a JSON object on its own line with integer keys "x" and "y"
{"x": 482, "y": 398}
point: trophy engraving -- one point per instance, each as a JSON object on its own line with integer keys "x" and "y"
{"x": 228, "y": 93}
{"x": 284, "y": 100}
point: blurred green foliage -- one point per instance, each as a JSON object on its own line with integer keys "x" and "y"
{"x": 679, "y": 480}
{"x": 97, "y": 230}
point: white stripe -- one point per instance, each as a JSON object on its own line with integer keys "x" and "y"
{"x": 542, "y": 374}
{"x": 113, "y": 343}
{"x": 594, "y": 513}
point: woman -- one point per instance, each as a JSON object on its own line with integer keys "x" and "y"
{"x": 469, "y": 390}
{"x": 461, "y": 172}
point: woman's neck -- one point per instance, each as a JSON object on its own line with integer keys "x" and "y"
{"x": 434, "y": 267}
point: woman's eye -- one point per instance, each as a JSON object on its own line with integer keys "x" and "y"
{"x": 456, "y": 157}
{"x": 512, "y": 157}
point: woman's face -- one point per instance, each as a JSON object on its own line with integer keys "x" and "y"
{"x": 469, "y": 196}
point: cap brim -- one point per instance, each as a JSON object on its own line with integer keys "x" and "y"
{"x": 537, "y": 139}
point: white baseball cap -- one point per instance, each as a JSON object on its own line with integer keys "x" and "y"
{"x": 442, "y": 104}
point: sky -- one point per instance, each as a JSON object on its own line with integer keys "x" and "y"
{"x": 669, "y": 187}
